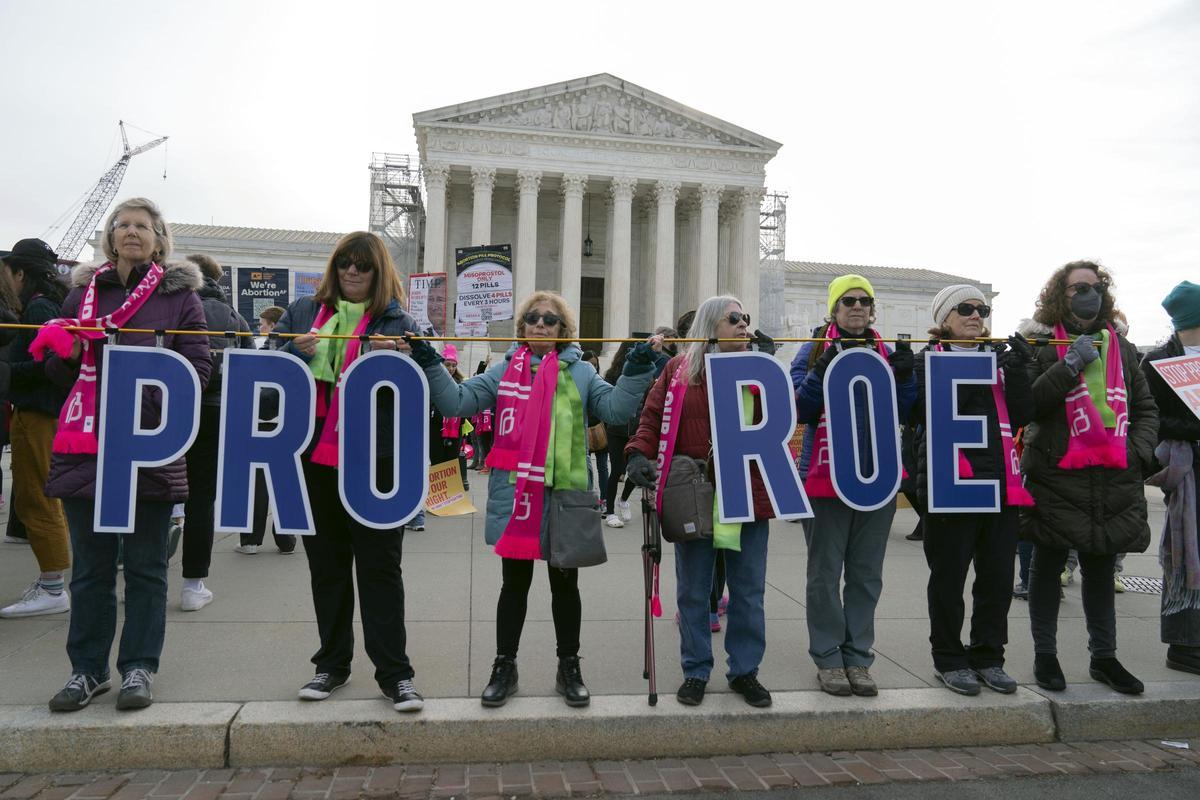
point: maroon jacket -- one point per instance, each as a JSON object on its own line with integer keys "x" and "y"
{"x": 173, "y": 306}
{"x": 695, "y": 436}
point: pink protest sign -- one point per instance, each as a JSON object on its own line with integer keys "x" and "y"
{"x": 1182, "y": 374}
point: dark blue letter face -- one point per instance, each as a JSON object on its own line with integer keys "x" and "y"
{"x": 737, "y": 443}
{"x": 862, "y": 367}
{"x": 246, "y": 447}
{"x": 358, "y": 478}
{"x": 132, "y": 377}
{"x": 947, "y": 432}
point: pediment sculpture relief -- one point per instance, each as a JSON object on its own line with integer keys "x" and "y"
{"x": 601, "y": 110}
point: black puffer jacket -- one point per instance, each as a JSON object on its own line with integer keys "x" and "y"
{"x": 1095, "y": 510}
{"x": 31, "y": 389}
{"x": 987, "y": 463}
{"x": 220, "y": 316}
{"x": 1175, "y": 419}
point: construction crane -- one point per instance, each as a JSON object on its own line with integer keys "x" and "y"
{"x": 100, "y": 197}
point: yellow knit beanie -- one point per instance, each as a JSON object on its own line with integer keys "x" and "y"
{"x": 844, "y": 283}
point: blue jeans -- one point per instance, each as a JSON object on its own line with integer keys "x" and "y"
{"x": 746, "y": 625}
{"x": 94, "y": 590}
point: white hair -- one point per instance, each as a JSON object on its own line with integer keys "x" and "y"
{"x": 704, "y": 326}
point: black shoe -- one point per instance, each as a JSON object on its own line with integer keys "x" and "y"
{"x": 749, "y": 688}
{"x": 173, "y": 536}
{"x": 503, "y": 683}
{"x": 1184, "y": 659}
{"x": 569, "y": 683}
{"x": 322, "y": 685}
{"x": 78, "y": 692}
{"x": 918, "y": 533}
{"x": 404, "y": 696}
{"x": 691, "y": 693}
{"x": 1048, "y": 673}
{"x": 1110, "y": 671}
{"x": 135, "y": 690}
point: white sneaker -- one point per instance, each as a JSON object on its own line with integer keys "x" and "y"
{"x": 613, "y": 521}
{"x": 195, "y": 599}
{"x": 625, "y": 510}
{"x": 37, "y": 601}
{"x": 246, "y": 549}
{"x": 14, "y": 540}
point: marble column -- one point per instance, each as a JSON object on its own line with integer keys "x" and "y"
{"x": 733, "y": 275}
{"x": 643, "y": 282}
{"x": 665, "y": 194}
{"x": 573, "y": 187}
{"x": 483, "y": 180}
{"x": 706, "y": 269}
{"x": 751, "y": 255}
{"x": 437, "y": 175}
{"x": 616, "y": 288}
{"x": 529, "y": 182}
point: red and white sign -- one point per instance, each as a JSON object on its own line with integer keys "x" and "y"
{"x": 1182, "y": 374}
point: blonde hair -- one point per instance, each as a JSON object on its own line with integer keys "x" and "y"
{"x": 559, "y": 304}
{"x": 162, "y": 231}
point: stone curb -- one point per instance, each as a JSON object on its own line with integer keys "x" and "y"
{"x": 1091, "y": 712}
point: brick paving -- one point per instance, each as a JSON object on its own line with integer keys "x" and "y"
{"x": 607, "y": 778}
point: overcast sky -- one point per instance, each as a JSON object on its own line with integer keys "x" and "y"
{"x": 995, "y": 140}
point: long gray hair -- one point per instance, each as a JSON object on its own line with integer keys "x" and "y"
{"x": 704, "y": 326}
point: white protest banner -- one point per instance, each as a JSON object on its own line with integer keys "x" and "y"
{"x": 427, "y": 302}
{"x": 1182, "y": 374}
{"x": 485, "y": 291}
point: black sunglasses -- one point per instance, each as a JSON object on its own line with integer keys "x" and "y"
{"x": 737, "y": 316}
{"x": 550, "y": 318}
{"x": 967, "y": 309}
{"x": 363, "y": 269}
{"x": 851, "y": 302}
{"x": 1086, "y": 288}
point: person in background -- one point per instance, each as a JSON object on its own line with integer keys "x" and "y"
{"x": 452, "y": 427}
{"x": 600, "y": 484}
{"x": 10, "y": 306}
{"x": 1090, "y": 442}
{"x": 843, "y": 541}
{"x": 204, "y": 453}
{"x": 36, "y": 402}
{"x": 1178, "y": 452}
{"x": 359, "y": 294}
{"x": 134, "y": 289}
{"x": 268, "y": 318}
{"x": 984, "y": 541}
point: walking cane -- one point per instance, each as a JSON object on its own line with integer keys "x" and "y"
{"x": 651, "y": 557}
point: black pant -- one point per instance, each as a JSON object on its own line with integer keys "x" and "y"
{"x": 1099, "y": 600}
{"x": 616, "y": 472}
{"x": 262, "y": 504}
{"x": 341, "y": 550}
{"x": 202, "y": 494}
{"x": 565, "y": 607}
{"x": 952, "y": 543}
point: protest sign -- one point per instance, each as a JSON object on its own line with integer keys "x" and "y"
{"x": 1182, "y": 374}
{"x": 447, "y": 497}
{"x": 260, "y": 288}
{"x": 304, "y": 284}
{"x": 427, "y": 302}
{"x": 484, "y": 281}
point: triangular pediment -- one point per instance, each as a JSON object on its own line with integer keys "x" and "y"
{"x": 599, "y": 105}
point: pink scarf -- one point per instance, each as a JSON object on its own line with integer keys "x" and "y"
{"x": 523, "y": 408}
{"x": 326, "y": 451}
{"x": 1014, "y": 490}
{"x": 669, "y": 430}
{"x": 819, "y": 482}
{"x": 1090, "y": 444}
{"x": 77, "y": 420}
{"x": 451, "y": 427}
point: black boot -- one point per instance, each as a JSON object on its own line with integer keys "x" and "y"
{"x": 1184, "y": 658}
{"x": 570, "y": 682}
{"x": 1048, "y": 673}
{"x": 1110, "y": 671}
{"x": 503, "y": 683}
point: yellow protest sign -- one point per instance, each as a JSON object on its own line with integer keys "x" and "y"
{"x": 446, "y": 497}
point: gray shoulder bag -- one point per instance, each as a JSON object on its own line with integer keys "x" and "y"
{"x": 687, "y": 501}
{"x": 576, "y": 535}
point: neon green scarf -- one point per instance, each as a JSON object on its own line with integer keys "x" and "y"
{"x": 728, "y": 535}
{"x": 326, "y": 364}
{"x": 567, "y": 443}
{"x": 1095, "y": 378}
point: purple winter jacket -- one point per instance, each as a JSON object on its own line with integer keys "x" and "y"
{"x": 173, "y": 306}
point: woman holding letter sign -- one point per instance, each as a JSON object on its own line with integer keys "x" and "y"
{"x": 1091, "y": 440}
{"x": 987, "y": 539}
{"x": 542, "y": 395}
{"x": 674, "y": 436}
{"x": 134, "y": 288}
{"x": 842, "y": 540}
{"x": 359, "y": 294}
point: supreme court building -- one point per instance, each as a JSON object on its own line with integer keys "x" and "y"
{"x": 631, "y": 205}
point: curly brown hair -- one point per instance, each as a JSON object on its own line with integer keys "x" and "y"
{"x": 1054, "y": 307}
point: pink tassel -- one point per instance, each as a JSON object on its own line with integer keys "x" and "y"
{"x": 69, "y": 442}
{"x": 518, "y": 548}
{"x": 655, "y": 600}
{"x": 964, "y": 467}
{"x": 325, "y": 454}
{"x": 54, "y": 338}
{"x": 1020, "y": 496}
{"x": 819, "y": 486}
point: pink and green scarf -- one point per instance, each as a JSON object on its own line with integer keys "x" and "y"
{"x": 327, "y": 370}
{"x": 77, "y": 420}
{"x": 1097, "y": 408}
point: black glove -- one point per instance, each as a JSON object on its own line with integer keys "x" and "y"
{"x": 763, "y": 343}
{"x": 641, "y": 471}
{"x": 1018, "y": 354}
{"x": 823, "y": 362}
{"x": 423, "y": 352}
{"x": 902, "y": 361}
{"x": 1081, "y": 353}
{"x": 640, "y": 359}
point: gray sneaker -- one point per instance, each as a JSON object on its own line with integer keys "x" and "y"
{"x": 997, "y": 679}
{"x": 961, "y": 681}
{"x": 135, "y": 690}
{"x": 833, "y": 681}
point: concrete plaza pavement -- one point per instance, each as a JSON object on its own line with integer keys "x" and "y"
{"x": 254, "y": 642}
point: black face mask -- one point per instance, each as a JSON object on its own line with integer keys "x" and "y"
{"x": 1086, "y": 306}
